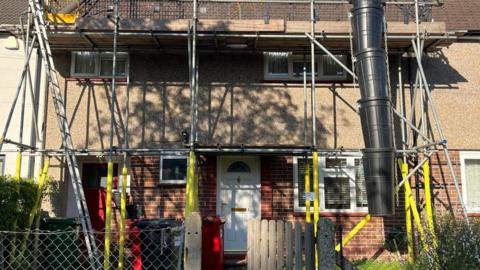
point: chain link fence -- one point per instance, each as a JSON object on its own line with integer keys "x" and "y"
{"x": 145, "y": 248}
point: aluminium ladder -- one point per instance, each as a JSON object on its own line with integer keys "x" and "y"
{"x": 37, "y": 13}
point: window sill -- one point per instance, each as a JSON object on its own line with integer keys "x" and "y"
{"x": 334, "y": 214}
{"x": 293, "y": 81}
{"x": 97, "y": 80}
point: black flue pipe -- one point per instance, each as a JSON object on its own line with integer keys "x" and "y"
{"x": 375, "y": 111}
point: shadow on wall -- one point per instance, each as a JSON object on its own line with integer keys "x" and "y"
{"x": 440, "y": 74}
{"x": 234, "y": 106}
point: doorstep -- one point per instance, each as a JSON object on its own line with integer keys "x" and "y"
{"x": 235, "y": 260}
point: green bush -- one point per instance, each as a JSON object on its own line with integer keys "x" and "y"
{"x": 458, "y": 246}
{"x": 17, "y": 199}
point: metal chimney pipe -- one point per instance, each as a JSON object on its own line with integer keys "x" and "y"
{"x": 375, "y": 112}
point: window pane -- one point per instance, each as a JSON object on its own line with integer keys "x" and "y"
{"x": 238, "y": 167}
{"x": 84, "y": 62}
{"x": 335, "y": 163}
{"x": 337, "y": 193}
{"x": 360, "y": 186}
{"x": 331, "y": 68}
{"x": 472, "y": 174}
{"x": 298, "y": 69}
{"x": 277, "y": 63}
{"x": 301, "y": 180}
{"x": 106, "y": 65}
{"x": 174, "y": 169}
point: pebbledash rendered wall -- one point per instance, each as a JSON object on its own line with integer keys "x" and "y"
{"x": 237, "y": 106}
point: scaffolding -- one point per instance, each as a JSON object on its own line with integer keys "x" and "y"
{"x": 418, "y": 143}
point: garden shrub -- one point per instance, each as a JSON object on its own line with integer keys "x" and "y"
{"x": 458, "y": 246}
{"x": 17, "y": 199}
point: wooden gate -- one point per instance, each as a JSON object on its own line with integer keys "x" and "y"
{"x": 275, "y": 244}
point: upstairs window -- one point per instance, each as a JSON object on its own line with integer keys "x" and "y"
{"x": 84, "y": 63}
{"x": 277, "y": 65}
{"x": 331, "y": 69}
{"x": 290, "y": 67}
{"x": 94, "y": 64}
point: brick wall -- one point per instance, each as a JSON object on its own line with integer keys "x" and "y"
{"x": 277, "y": 198}
{"x": 168, "y": 201}
{"x": 278, "y": 203}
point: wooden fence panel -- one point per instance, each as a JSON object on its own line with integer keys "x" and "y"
{"x": 298, "y": 246}
{"x": 280, "y": 245}
{"x": 264, "y": 245}
{"x": 272, "y": 242}
{"x": 274, "y": 245}
{"x": 289, "y": 245}
{"x": 257, "y": 244}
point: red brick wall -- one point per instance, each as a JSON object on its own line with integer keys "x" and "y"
{"x": 278, "y": 203}
{"x": 168, "y": 201}
{"x": 277, "y": 198}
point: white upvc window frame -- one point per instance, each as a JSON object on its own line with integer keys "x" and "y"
{"x": 97, "y": 58}
{"x": 172, "y": 181}
{"x": 343, "y": 59}
{"x": 300, "y": 58}
{"x": 348, "y": 172}
{"x": 463, "y": 156}
{"x": 275, "y": 76}
{"x": 73, "y": 62}
{"x": 2, "y": 168}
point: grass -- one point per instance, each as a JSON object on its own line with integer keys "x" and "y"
{"x": 379, "y": 265}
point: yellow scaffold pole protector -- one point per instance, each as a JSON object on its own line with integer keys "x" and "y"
{"x": 411, "y": 209}
{"x": 316, "y": 214}
{"x": 41, "y": 183}
{"x": 354, "y": 232}
{"x": 18, "y": 166}
{"x": 191, "y": 194}
{"x": 408, "y": 214}
{"x": 123, "y": 215}
{"x": 428, "y": 202}
{"x": 308, "y": 217}
{"x": 108, "y": 217}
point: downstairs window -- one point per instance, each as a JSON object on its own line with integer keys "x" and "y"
{"x": 341, "y": 184}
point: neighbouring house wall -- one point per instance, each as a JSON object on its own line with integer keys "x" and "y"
{"x": 11, "y": 66}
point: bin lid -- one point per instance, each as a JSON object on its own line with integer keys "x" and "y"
{"x": 214, "y": 219}
{"x": 157, "y": 223}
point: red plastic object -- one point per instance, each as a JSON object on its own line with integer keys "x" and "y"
{"x": 136, "y": 248}
{"x": 212, "y": 243}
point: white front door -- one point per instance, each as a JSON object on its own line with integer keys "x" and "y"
{"x": 238, "y": 198}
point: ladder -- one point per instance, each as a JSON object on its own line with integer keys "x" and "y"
{"x": 38, "y": 18}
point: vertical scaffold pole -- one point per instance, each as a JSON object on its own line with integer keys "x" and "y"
{"x": 316, "y": 214}
{"x": 123, "y": 196}
{"x": 428, "y": 202}
{"x": 191, "y": 193}
{"x": 408, "y": 215}
{"x": 108, "y": 200}
{"x": 308, "y": 214}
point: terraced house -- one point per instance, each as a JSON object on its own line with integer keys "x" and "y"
{"x": 250, "y": 64}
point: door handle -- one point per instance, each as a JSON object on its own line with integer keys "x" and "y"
{"x": 239, "y": 209}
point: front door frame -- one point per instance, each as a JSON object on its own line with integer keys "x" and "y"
{"x": 219, "y": 179}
